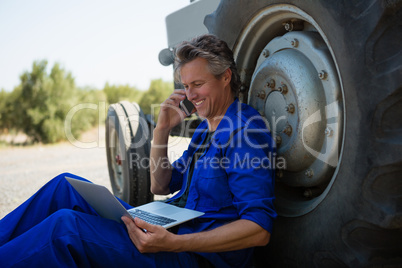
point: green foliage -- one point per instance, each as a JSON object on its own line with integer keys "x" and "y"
{"x": 157, "y": 93}
{"x": 45, "y": 101}
{"x": 116, "y": 93}
{"x": 92, "y": 117}
{"x": 40, "y": 104}
{"x": 46, "y": 106}
{"x": 10, "y": 111}
{"x": 5, "y": 116}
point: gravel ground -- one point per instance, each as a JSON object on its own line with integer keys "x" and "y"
{"x": 23, "y": 170}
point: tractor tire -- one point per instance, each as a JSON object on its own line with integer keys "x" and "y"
{"x": 127, "y": 150}
{"x": 351, "y": 216}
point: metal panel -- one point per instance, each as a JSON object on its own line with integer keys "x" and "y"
{"x": 188, "y": 22}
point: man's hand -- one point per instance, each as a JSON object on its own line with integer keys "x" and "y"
{"x": 232, "y": 236}
{"x": 154, "y": 239}
{"x": 170, "y": 113}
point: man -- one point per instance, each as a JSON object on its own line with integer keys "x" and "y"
{"x": 223, "y": 173}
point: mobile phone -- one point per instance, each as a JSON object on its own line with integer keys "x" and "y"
{"x": 187, "y": 106}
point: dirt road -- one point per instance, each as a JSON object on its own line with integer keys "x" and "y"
{"x": 23, "y": 170}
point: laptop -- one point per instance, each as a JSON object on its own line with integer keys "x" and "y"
{"x": 107, "y": 206}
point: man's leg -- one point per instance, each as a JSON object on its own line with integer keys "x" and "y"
{"x": 55, "y": 195}
{"x": 70, "y": 238}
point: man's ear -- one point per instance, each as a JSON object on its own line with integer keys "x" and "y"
{"x": 227, "y": 75}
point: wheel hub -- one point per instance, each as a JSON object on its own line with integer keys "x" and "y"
{"x": 295, "y": 87}
{"x": 293, "y": 72}
{"x": 284, "y": 45}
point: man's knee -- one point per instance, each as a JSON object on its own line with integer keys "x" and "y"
{"x": 62, "y": 177}
{"x": 64, "y": 216}
{"x": 60, "y": 183}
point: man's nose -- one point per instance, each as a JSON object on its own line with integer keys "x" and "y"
{"x": 191, "y": 93}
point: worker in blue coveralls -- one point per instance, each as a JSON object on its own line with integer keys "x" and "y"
{"x": 226, "y": 172}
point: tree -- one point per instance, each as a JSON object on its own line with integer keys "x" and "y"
{"x": 93, "y": 96}
{"x": 5, "y": 111}
{"x": 43, "y": 102}
{"x": 116, "y": 93}
{"x": 10, "y": 112}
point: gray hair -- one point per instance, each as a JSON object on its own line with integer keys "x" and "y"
{"x": 215, "y": 51}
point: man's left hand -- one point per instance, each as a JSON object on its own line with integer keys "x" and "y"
{"x": 148, "y": 238}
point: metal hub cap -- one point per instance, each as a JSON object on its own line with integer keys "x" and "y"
{"x": 295, "y": 96}
{"x": 295, "y": 86}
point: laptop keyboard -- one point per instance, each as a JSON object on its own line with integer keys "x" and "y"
{"x": 150, "y": 217}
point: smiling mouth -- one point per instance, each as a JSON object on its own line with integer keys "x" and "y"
{"x": 199, "y": 103}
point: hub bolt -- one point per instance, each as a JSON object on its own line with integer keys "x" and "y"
{"x": 265, "y": 53}
{"x": 329, "y": 132}
{"x": 271, "y": 83}
{"x": 288, "y": 130}
{"x": 294, "y": 42}
{"x": 288, "y": 26}
{"x": 312, "y": 192}
{"x": 290, "y": 108}
{"x": 309, "y": 173}
{"x": 283, "y": 89}
{"x": 322, "y": 75}
{"x": 262, "y": 95}
{"x": 278, "y": 140}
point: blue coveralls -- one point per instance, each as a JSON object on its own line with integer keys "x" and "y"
{"x": 232, "y": 180}
{"x": 57, "y": 228}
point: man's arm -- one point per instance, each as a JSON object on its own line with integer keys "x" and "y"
{"x": 236, "y": 235}
{"x": 169, "y": 116}
{"x": 232, "y": 236}
{"x": 160, "y": 167}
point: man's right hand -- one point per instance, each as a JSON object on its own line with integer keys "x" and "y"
{"x": 170, "y": 114}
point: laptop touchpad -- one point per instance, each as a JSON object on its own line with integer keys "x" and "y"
{"x": 167, "y": 211}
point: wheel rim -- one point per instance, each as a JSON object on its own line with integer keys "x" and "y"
{"x": 297, "y": 87}
{"x": 116, "y": 157}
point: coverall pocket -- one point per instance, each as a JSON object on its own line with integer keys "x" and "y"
{"x": 213, "y": 189}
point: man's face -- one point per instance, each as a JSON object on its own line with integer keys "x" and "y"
{"x": 210, "y": 96}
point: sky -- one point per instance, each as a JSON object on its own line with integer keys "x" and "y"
{"x": 97, "y": 41}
